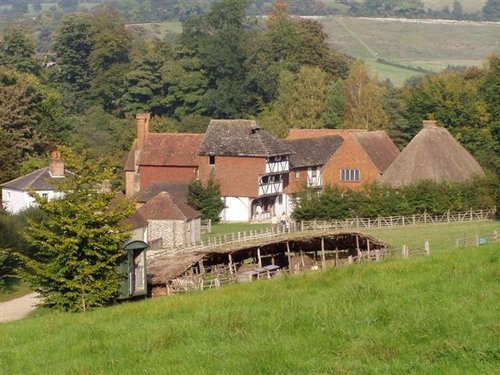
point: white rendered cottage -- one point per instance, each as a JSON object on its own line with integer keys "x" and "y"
{"x": 15, "y": 193}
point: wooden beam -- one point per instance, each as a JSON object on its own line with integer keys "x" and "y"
{"x": 323, "y": 258}
{"x": 230, "y": 263}
{"x": 289, "y": 256}
{"x": 259, "y": 259}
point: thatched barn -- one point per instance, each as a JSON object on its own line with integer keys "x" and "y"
{"x": 250, "y": 260}
{"x": 433, "y": 154}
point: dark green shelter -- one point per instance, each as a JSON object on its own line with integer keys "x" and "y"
{"x": 133, "y": 267}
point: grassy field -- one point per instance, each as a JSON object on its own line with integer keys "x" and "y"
{"x": 422, "y": 315}
{"x": 467, "y": 5}
{"x": 16, "y": 289}
{"x": 431, "y": 46}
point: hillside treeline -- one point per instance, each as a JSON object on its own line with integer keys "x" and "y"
{"x": 281, "y": 71}
{"x": 162, "y": 10}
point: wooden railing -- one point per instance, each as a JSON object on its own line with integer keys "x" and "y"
{"x": 321, "y": 226}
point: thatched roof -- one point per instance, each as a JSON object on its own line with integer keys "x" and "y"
{"x": 240, "y": 138}
{"x": 433, "y": 154}
{"x": 313, "y": 151}
{"x": 164, "y": 269}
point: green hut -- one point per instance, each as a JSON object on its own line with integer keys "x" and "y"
{"x": 133, "y": 267}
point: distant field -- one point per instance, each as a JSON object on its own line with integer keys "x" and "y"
{"x": 434, "y": 314}
{"x": 161, "y": 29}
{"x": 431, "y": 45}
{"x": 467, "y": 5}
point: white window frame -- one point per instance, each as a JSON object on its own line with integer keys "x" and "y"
{"x": 350, "y": 175}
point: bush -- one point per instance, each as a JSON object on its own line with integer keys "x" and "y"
{"x": 378, "y": 200}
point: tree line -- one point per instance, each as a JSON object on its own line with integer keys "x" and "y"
{"x": 223, "y": 64}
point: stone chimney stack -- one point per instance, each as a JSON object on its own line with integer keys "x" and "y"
{"x": 56, "y": 166}
{"x": 142, "y": 128}
{"x": 429, "y": 124}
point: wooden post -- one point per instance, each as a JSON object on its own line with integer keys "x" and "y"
{"x": 425, "y": 216}
{"x": 259, "y": 259}
{"x": 448, "y": 216}
{"x": 230, "y": 263}
{"x": 368, "y": 247}
{"x": 302, "y": 258}
{"x": 289, "y": 257}
{"x": 239, "y": 236}
{"x": 200, "y": 265}
{"x": 302, "y": 225}
{"x": 427, "y": 248}
{"x": 403, "y": 251}
{"x": 350, "y": 259}
{"x": 357, "y": 247}
{"x": 471, "y": 214}
{"x": 377, "y": 255}
{"x": 323, "y": 259}
{"x": 336, "y": 256}
{"x": 403, "y": 220}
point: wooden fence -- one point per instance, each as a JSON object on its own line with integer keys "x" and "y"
{"x": 477, "y": 240}
{"x": 321, "y": 226}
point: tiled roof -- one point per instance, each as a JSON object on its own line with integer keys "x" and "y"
{"x": 135, "y": 221}
{"x": 315, "y": 133}
{"x": 240, "y": 138}
{"x": 313, "y": 151}
{"x": 178, "y": 190}
{"x": 165, "y": 207}
{"x": 379, "y": 147}
{"x": 40, "y": 179}
{"x": 171, "y": 149}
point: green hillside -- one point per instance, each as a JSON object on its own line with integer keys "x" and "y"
{"x": 467, "y": 5}
{"x": 422, "y": 315}
{"x": 432, "y": 45}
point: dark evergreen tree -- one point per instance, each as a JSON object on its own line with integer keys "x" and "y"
{"x": 206, "y": 199}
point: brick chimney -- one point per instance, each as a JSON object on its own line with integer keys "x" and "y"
{"x": 56, "y": 166}
{"x": 142, "y": 128}
{"x": 429, "y": 124}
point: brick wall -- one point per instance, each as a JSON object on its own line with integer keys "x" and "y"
{"x": 238, "y": 176}
{"x": 350, "y": 155}
{"x": 152, "y": 174}
{"x": 297, "y": 184}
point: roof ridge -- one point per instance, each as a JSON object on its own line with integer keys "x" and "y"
{"x": 36, "y": 176}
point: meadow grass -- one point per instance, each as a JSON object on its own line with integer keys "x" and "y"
{"x": 430, "y": 46}
{"x": 15, "y": 289}
{"x": 421, "y": 315}
{"x": 227, "y": 228}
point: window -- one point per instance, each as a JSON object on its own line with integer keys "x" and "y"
{"x": 45, "y": 195}
{"x": 211, "y": 159}
{"x": 349, "y": 175}
{"x": 297, "y": 174}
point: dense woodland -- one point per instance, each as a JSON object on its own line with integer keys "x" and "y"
{"x": 99, "y": 73}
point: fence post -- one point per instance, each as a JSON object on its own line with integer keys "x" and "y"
{"x": 302, "y": 225}
{"x": 413, "y": 219}
{"x": 323, "y": 260}
{"x": 471, "y": 214}
{"x": 427, "y": 248}
{"x": 350, "y": 259}
{"x": 448, "y": 216}
{"x": 425, "y": 216}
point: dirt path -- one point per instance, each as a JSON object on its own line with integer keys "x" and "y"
{"x": 18, "y": 308}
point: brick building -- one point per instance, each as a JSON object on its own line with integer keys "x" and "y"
{"x": 251, "y": 166}
{"x": 361, "y": 158}
{"x": 160, "y": 157}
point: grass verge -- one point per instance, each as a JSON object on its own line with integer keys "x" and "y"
{"x": 422, "y": 315}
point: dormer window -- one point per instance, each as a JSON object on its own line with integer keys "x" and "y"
{"x": 211, "y": 160}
